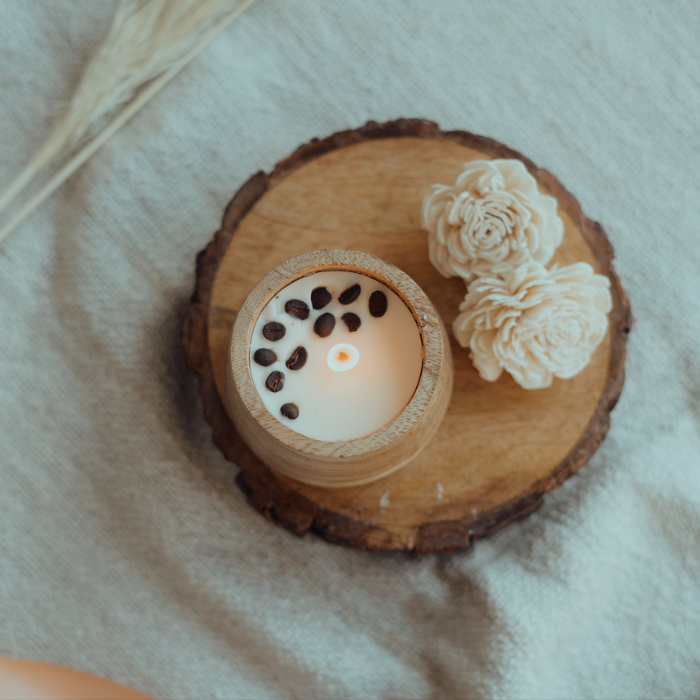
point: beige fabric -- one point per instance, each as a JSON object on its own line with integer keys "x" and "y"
{"x": 126, "y": 549}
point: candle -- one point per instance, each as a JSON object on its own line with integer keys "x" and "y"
{"x": 339, "y": 369}
{"x": 336, "y": 355}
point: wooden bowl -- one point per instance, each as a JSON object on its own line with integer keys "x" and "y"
{"x": 340, "y": 463}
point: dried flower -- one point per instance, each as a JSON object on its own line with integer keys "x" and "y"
{"x": 491, "y": 221}
{"x": 149, "y": 42}
{"x": 535, "y": 324}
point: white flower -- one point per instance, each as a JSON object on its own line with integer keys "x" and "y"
{"x": 535, "y": 324}
{"x": 492, "y": 220}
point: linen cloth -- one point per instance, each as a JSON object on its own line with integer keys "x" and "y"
{"x": 126, "y": 548}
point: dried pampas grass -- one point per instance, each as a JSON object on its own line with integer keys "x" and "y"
{"x": 149, "y": 42}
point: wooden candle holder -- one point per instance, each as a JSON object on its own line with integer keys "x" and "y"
{"x": 346, "y": 462}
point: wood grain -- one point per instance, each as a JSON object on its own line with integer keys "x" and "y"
{"x": 500, "y": 448}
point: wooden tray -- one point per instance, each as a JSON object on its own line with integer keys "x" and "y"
{"x": 500, "y": 447}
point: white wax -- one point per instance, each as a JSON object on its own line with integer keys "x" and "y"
{"x": 340, "y": 405}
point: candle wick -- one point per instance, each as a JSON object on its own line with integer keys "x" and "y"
{"x": 342, "y": 357}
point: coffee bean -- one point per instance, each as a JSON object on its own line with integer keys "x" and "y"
{"x": 350, "y": 294}
{"x": 274, "y": 331}
{"x": 298, "y": 309}
{"x": 324, "y": 325}
{"x": 275, "y": 381}
{"x": 352, "y": 320}
{"x": 320, "y": 297}
{"x": 265, "y": 357}
{"x": 377, "y": 304}
{"x": 290, "y": 410}
{"x": 297, "y": 359}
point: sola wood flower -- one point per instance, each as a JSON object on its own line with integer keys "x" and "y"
{"x": 492, "y": 220}
{"x": 535, "y": 324}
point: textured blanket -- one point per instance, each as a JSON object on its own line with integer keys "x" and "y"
{"x": 126, "y": 548}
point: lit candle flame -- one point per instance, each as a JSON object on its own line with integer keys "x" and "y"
{"x": 343, "y": 357}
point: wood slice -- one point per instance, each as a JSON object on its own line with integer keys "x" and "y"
{"x": 500, "y": 447}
